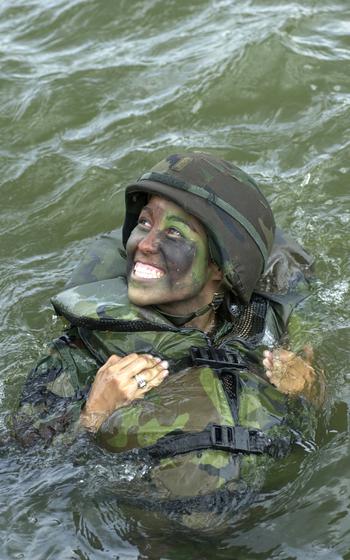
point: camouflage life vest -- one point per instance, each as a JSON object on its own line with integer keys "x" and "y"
{"x": 212, "y": 423}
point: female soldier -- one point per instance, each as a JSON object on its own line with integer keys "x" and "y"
{"x": 200, "y": 247}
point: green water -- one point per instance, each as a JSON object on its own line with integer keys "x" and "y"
{"x": 92, "y": 93}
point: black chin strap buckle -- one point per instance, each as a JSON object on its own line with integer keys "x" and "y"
{"x": 217, "y": 358}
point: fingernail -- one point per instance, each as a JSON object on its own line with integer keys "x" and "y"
{"x": 164, "y": 364}
{"x": 165, "y": 373}
{"x": 153, "y": 357}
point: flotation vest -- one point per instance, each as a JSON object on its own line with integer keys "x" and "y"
{"x": 212, "y": 423}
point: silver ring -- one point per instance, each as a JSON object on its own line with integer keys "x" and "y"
{"x": 141, "y": 381}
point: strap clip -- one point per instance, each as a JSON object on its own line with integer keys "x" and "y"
{"x": 217, "y": 358}
{"x": 239, "y": 439}
{"x": 230, "y": 438}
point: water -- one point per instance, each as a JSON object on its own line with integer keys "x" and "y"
{"x": 91, "y": 95}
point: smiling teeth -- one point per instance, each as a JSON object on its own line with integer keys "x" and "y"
{"x": 147, "y": 271}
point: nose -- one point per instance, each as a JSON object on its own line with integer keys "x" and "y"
{"x": 150, "y": 242}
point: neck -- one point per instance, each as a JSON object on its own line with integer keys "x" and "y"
{"x": 204, "y": 322}
{"x": 199, "y": 314}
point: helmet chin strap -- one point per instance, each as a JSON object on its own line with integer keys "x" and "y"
{"x": 180, "y": 320}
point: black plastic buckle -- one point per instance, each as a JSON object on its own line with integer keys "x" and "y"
{"x": 216, "y": 358}
{"x": 230, "y": 438}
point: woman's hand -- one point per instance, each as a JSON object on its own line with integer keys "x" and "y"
{"x": 118, "y": 382}
{"x": 289, "y": 372}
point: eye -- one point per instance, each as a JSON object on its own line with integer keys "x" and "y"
{"x": 173, "y": 233}
{"x": 144, "y": 223}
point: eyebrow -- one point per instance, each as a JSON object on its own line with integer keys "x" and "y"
{"x": 182, "y": 221}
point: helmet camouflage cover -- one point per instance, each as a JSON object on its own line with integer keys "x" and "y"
{"x": 236, "y": 215}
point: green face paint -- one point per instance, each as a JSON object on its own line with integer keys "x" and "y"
{"x": 168, "y": 259}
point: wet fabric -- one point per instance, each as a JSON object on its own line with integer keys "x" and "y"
{"x": 190, "y": 400}
{"x": 56, "y": 388}
{"x": 187, "y": 403}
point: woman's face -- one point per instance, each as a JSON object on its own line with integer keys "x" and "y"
{"x": 168, "y": 259}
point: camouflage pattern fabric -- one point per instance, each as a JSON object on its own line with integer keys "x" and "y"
{"x": 54, "y": 393}
{"x": 103, "y": 259}
{"x": 188, "y": 400}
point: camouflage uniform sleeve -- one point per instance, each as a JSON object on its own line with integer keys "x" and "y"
{"x": 54, "y": 392}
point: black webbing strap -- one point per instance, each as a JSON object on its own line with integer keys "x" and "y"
{"x": 235, "y": 439}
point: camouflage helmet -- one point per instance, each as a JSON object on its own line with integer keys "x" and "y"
{"x": 236, "y": 215}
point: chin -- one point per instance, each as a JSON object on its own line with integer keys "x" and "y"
{"x": 139, "y": 297}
